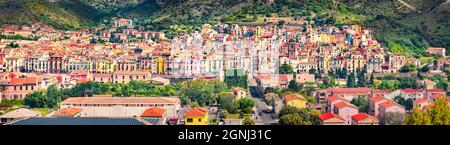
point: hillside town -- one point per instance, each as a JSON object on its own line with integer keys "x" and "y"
{"x": 250, "y": 73}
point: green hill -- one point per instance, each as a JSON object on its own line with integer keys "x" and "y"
{"x": 61, "y": 14}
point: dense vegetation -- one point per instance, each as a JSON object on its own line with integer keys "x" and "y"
{"x": 437, "y": 114}
{"x": 62, "y": 14}
{"x": 294, "y": 116}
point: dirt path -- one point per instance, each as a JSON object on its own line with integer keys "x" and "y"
{"x": 407, "y": 5}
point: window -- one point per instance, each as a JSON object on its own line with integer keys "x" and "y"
{"x": 199, "y": 120}
{"x": 189, "y": 120}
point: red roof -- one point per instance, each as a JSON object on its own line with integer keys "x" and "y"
{"x": 344, "y": 104}
{"x": 360, "y": 116}
{"x": 330, "y": 115}
{"x": 23, "y": 81}
{"x": 377, "y": 99}
{"x": 419, "y": 100}
{"x": 293, "y": 96}
{"x": 67, "y": 112}
{"x": 435, "y": 90}
{"x": 388, "y": 104}
{"x": 437, "y": 95}
{"x": 154, "y": 112}
{"x": 334, "y": 98}
{"x": 196, "y": 112}
{"x": 350, "y": 90}
{"x": 408, "y": 90}
{"x": 381, "y": 91}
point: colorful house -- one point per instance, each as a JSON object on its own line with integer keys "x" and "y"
{"x": 374, "y": 104}
{"x": 197, "y": 116}
{"x": 331, "y": 119}
{"x": 391, "y": 106}
{"x": 155, "y": 115}
{"x": 346, "y": 110}
{"x": 295, "y": 100}
{"x": 364, "y": 119}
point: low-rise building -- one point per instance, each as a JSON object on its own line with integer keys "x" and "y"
{"x": 295, "y": 100}
{"x": 331, "y": 119}
{"x": 121, "y": 106}
{"x": 18, "y": 114}
{"x": 364, "y": 119}
{"x": 239, "y": 93}
{"x": 155, "y": 115}
{"x": 346, "y": 110}
{"x": 197, "y": 116}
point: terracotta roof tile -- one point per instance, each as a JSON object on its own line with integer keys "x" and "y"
{"x": 154, "y": 112}
{"x": 293, "y": 96}
{"x": 67, "y": 112}
{"x": 196, "y": 112}
{"x": 330, "y": 115}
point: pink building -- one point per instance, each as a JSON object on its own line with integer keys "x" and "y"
{"x": 305, "y": 77}
{"x": 380, "y": 93}
{"x": 347, "y": 93}
{"x": 346, "y": 110}
{"x": 430, "y": 92}
{"x": 364, "y": 119}
{"x": 411, "y": 93}
{"x": 391, "y": 106}
{"x": 436, "y": 51}
{"x": 374, "y": 104}
{"x": 421, "y": 103}
{"x": 331, "y": 119}
{"x": 18, "y": 88}
{"x": 333, "y": 100}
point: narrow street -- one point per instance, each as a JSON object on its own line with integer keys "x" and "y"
{"x": 263, "y": 116}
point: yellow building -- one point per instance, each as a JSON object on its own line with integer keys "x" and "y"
{"x": 197, "y": 116}
{"x": 102, "y": 66}
{"x": 160, "y": 65}
{"x": 295, "y": 100}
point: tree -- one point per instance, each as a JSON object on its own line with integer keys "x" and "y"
{"x": 236, "y": 78}
{"x": 312, "y": 71}
{"x": 407, "y": 103}
{"x": 203, "y": 91}
{"x": 248, "y": 121}
{"x": 440, "y": 112}
{"x": 408, "y": 68}
{"x": 437, "y": 114}
{"x": 361, "y": 103}
{"x": 328, "y": 82}
{"x": 44, "y": 99}
{"x": 246, "y": 103}
{"x": 247, "y": 110}
{"x": 287, "y": 110}
{"x": 425, "y": 68}
{"x": 351, "y": 81}
{"x": 285, "y": 69}
{"x": 36, "y": 100}
{"x": 419, "y": 117}
{"x": 225, "y": 100}
{"x": 291, "y": 119}
{"x": 361, "y": 79}
{"x": 372, "y": 80}
{"x": 308, "y": 116}
{"x": 392, "y": 118}
{"x": 293, "y": 85}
